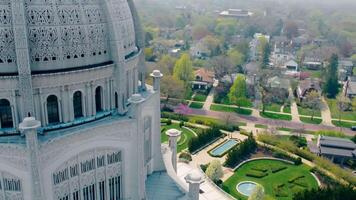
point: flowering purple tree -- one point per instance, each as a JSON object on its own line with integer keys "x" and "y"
{"x": 183, "y": 109}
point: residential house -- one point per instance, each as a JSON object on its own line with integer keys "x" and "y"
{"x": 291, "y": 65}
{"x": 312, "y": 63}
{"x": 254, "y": 53}
{"x": 345, "y": 69}
{"x": 200, "y": 50}
{"x": 279, "y": 88}
{"x": 336, "y": 149}
{"x": 350, "y": 87}
{"x": 203, "y": 79}
{"x": 236, "y": 13}
{"x": 306, "y": 86}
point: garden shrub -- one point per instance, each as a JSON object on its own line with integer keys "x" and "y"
{"x": 181, "y": 124}
{"x": 239, "y": 152}
{"x": 204, "y": 167}
{"x": 169, "y": 122}
{"x": 256, "y": 174}
{"x": 186, "y": 156}
{"x": 279, "y": 190}
{"x": 291, "y": 180}
{"x": 260, "y": 168}
{"x": 276, "y": 169}
{"x": 163, "y": 129}
{"x": 174, "y": 116}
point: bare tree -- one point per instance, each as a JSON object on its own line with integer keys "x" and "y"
{"x": 222, "y": 66}
{"x": 343, "y": 103}
{"x": 312, "y": 101}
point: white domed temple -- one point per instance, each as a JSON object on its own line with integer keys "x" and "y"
{"x": 77, "y": 121}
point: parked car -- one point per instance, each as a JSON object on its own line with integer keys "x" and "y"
{"x": 353, "y": 128}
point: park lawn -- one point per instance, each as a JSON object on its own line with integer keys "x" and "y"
{"x": 182, "y": 141}
{"x": 271, "y": 180}
{"x": 308, "y": 120}
{"x": 287, "y": 109}
{"x": 343, "y": 124}
{"x": 276, "y": 116}
{"x": 200, "y": 97}
{"x": 273, "y": 107}
{"x": 261, "y": 126}
{"x": 209, "y": 120}
{"x": 335, "y": 114}
{"x": 308, "y": 112}
{"x": 221, "y": 108}
{"x": 196, "y": 105}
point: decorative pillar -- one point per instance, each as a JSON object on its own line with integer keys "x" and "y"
{"x": 173, "y": 135}
{"x": 136, "y": 110}
{"x": 194, "y": 180}
{"x": 22, "y": 57}
{"x": 156, "y": 75}
{"x": 29, "y": 128}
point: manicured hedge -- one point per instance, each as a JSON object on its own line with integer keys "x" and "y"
{"x": 256, "y": 174}
{"x": 204, "y": 138}
{"x": 239, "y": 152}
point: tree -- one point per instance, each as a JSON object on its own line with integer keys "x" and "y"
{"x": 353, "y": 104}
{"x": 343, "y": 103}
{"x": 149, "y": 56}
{"x": 238, "y": 90}
{"x": 172, "y": 87}
{"x": 312, "y": 101}
{"x": 166, "y": 64}
{"x": 222, "y": 66}
{"x": 291, "y": 29}
{"x": 214, "y": 170}
{"x": 257, "y": 194}
{"x": 236, "y": 58}
{"x": 213, "y": 44}
{"x": 265, "y": 55}
{"x": 183, "y": 69}
{"x": 331, "y": 87}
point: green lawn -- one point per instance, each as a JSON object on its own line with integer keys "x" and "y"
{"x": 196, "y": 105}
{"x": 313, "y": 73}
{"x": 280, "y": 185}
{"x": 221, "y": 108}
{"x": 184, "y": 138}
{"x": 261, "y": 126}
{"x": 273, "y": 107}
{"x": 276, "y": 116}
{"x": 308, "y": 120}
{"x": 349, "y": 115}
{"x": 308, "y": 112}
{"x": 287, "y": 109}
{"x": 200, "y": 97}
{"x": 343, "y": 124}
{"x": 208, "y": 120}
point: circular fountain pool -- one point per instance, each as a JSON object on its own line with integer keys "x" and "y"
{"x": 246, "y": 187}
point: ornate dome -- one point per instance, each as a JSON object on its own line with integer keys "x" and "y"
{"x": 62, "y": 34}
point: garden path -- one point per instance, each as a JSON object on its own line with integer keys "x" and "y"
{"x": 325, "y": 113}
{"x": 293, "y": 107}
{"x": 210, "y": 99}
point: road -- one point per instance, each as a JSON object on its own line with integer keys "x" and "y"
{"x": 271, "y": 122}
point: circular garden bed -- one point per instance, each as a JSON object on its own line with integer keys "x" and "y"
{"x": 280, "y": 180}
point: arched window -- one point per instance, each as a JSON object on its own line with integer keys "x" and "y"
{"x": 77, "y": 104}
{"x": 52, "y": 109}
{"x": 5, "y": 114}
{"x": 98, "y": 99}
{"x": 116, "y": 100}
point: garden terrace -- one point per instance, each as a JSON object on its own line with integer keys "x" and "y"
{"x": 280, "y": 180}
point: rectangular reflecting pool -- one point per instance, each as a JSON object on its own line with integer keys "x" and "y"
{"x": 223, "y": 148}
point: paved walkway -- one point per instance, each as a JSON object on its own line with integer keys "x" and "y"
{"x": 325, "y": 113}
{"x": 293, "y": 107}
{"x": 210, "y": 99}
{"x": 210, "y": 191}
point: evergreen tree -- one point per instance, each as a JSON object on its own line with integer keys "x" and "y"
{"x": 331, "y": 87}
{"x": 266, "y": 51}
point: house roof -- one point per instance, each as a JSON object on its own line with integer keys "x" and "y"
{"x": 205, "y": 74}
{"x": 307, "y": 84}
{"x": 291, "y": 63}
{"x": 277, "y": 82}
{"x": 346, "y": 63}
{"x": 351, "y": 85}
{"x": 337, "y": 146}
